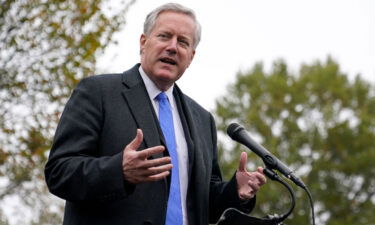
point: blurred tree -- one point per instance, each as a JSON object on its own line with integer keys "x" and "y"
{"x": 46, "y": 47}
{"x": 318, "y": 122}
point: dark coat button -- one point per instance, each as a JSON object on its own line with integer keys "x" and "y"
{"x": 147, "y": 223}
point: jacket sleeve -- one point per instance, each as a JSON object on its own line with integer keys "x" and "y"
{"x": 75, "y": 171}
{"x": 223, "y": 195}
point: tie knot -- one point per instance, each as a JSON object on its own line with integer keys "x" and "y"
{"x": 161, "y": 96}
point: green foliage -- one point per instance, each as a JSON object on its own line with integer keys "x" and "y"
{"x": 46, "y": 48}
{"x": 318, "y": 122}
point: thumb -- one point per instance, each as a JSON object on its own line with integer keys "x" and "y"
{"x": 243, "y": 162}
{"x": 136, "y": 142}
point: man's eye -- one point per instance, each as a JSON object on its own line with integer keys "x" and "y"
{"x": 184, "y": 43}
{"x": 162, "y": 36}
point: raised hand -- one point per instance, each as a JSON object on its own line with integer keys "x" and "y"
{"x": 248, "y": 183}
{"x": 138, "y": 168}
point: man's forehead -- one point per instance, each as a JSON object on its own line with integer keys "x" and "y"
{"x": 184, "y": 22}
{"x": 172, "y": 15}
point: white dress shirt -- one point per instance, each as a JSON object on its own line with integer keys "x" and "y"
{"x": 182, "y": 149}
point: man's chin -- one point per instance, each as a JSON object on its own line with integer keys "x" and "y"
{"x": 167, "y": 74}
{"x": 165, "y": 79}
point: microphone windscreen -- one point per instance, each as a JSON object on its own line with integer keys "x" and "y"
{"x": 232, "y": 129}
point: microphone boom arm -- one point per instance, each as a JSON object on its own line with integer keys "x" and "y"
{"x": 273, "y": 176}
{"x": 239, "y": 134}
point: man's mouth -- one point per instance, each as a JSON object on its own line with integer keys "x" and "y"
{"x": 168, "y": 61}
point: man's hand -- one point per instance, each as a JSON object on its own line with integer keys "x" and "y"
{"x": 138, "y": 168}
{"x": 248, "y": 183}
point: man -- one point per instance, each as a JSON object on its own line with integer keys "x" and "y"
{"x": 131, "y": 148}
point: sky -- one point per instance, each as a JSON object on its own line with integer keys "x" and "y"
{"x": 237, "y": 34}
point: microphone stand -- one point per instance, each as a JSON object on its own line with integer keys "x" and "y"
{"x": 234, "y": 216}
{"x": 275, "y": 177}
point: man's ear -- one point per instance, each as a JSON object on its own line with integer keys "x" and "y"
{"x": 192, "y": 57}
{"x": 142, "y": 43}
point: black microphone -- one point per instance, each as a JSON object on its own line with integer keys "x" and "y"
{"x": 239, "y": 134}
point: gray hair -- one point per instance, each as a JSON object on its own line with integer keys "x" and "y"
{"x": 174, "y": 7}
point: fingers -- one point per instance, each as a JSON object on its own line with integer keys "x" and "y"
{"x": 137, "y": 170}
{"x": 136, "y": 142}
{"x": 141, "y": 175}
{"x": 249, "y": 189}
{"x": 254, "y": 185}
{"x": 155, "y": 171}
{"x": 138, "y": 166}
{"x": 147, "y": 153}
{"x": 258, "y": 179}
{"x": 260, "y": 170}
{"x": 249, "y": 183}
{"x": 261, "y": 177}
{"x": 136, "y": 179}
{"x": 243, "y": 161}
{"x": 156, "y": 162}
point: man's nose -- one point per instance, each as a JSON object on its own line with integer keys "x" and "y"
{"x": 172, "y": 46}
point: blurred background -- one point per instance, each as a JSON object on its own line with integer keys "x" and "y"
{"x": 298, "y": 75}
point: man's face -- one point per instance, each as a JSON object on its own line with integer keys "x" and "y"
{"x": 168, "y": 50}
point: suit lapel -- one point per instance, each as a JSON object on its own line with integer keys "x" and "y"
{"x": 135, "y": 94}
{"x": 188, "y": 126}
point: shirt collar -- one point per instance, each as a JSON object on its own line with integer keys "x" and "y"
{"x": 152, "y": 89}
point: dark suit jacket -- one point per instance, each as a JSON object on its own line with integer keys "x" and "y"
{"x": 85, "y": 162}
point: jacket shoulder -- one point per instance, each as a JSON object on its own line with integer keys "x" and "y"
{"x": 103, "y": 78}
{"x": 192, "y": 104}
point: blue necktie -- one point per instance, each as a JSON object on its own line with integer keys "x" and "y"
{"x": 174, "y": 210}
